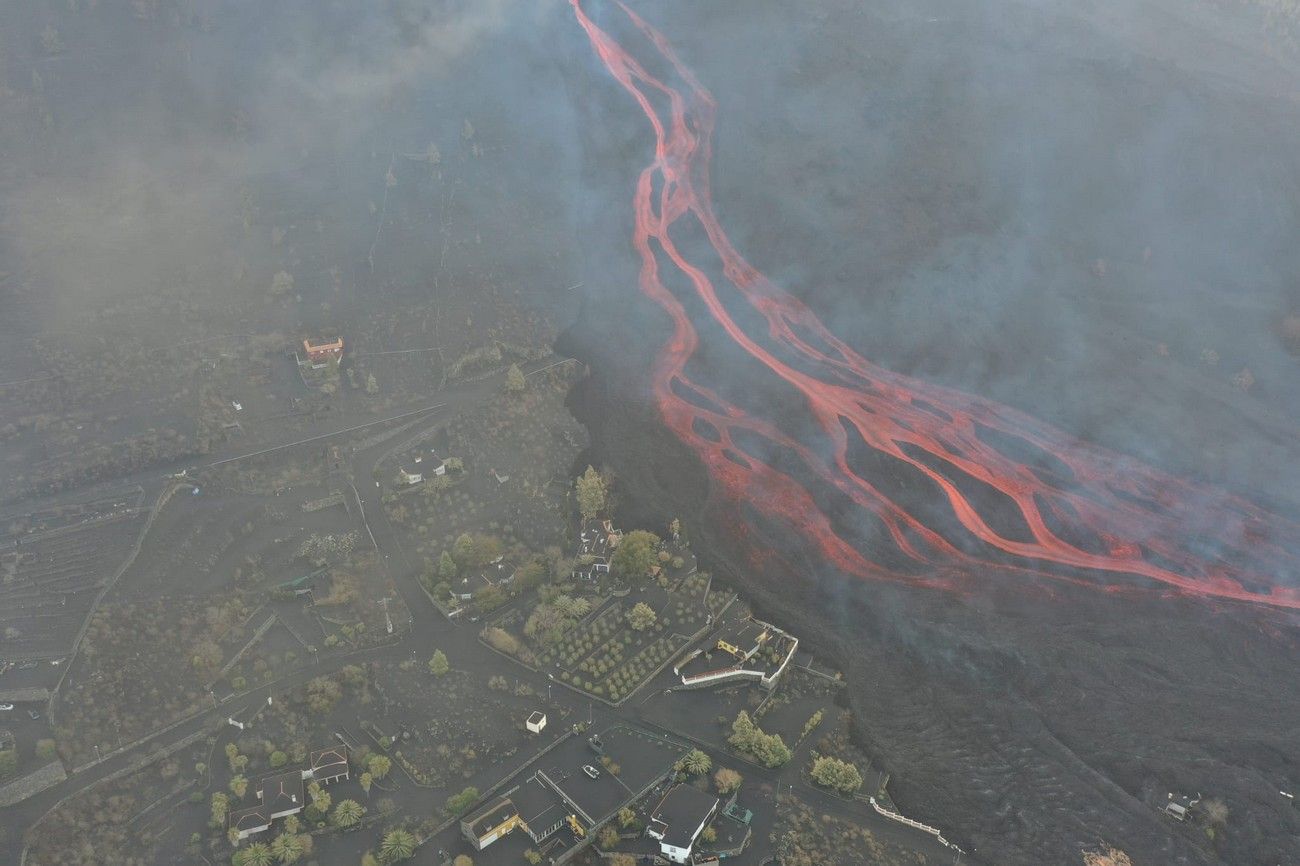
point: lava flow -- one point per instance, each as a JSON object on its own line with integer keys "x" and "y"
{"x": 1075, "y": 508}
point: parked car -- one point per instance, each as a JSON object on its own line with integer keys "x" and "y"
{"x": 591, "y": 771}
{"x": 33, "y": 715}
{"x": 4, "y": 708}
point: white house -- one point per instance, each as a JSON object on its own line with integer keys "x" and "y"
{"x": 679, "y": 819}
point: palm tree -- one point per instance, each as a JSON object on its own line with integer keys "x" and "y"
{"x": 379, "y": 766}
{"x": 347, "y": 813}
{"x": 696, "y": 762}
{"x": 397, "y": 845}
{"x": 256, "y": 854}
{"x": 287, "y": 848}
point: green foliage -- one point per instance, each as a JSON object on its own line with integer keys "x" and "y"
{"x": 836, "y": 774}
{"x": 322, "y": 695}
{"x": 458, "y": 803}
{"x": 626, "y": 817}
{"x": 220, "y": 808}
{"x": 608, "y": 837}
{"x": 46, "y": 750}
{"x": 515, "y": 381}
{"x": 379, "y": 766}
{"x": 278, "y": 759}
{"x": 635, "y": 555}
{"x": 289, "y": 848}
{"x": 641, "y": 616}
{"x": 438, "y": 664}
{"x": 446, "y": 566}
{"x": 238, "y": 786}
{"x": 474, "y": 550}
{"x": 256, "y": 854}
{"x": 811, "y": 725}
{"x": 768, "y": 749}
{"x": 347, "y": 813}
{"x": 593, "y": 493}
{"x": 397, "y": 845}
{"x": 695, "y": 763}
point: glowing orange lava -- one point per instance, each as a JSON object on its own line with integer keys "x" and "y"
{"x": 1143, "y": 522}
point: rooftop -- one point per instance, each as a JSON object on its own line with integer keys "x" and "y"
{"x": 329, "y": 762}
{"x": 683, "y": 810}
{"x": 498, "y": 811}
{"x": 282, "y": 792}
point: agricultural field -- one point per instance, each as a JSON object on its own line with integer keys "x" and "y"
{"x": 606, "y": 645}
{"x": 53, "y": 567}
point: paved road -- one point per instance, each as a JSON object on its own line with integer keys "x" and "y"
{"x": 431, "y": 630}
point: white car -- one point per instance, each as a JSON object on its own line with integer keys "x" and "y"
{"x": 4, "y": 708}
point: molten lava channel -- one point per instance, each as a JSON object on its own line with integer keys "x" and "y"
{"x": 1137, "y": 521}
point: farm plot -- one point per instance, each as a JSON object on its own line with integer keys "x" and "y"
{"x": 163, "y": 653}
{"x": 612, "y": 652}
{"x": 49, "y": 582}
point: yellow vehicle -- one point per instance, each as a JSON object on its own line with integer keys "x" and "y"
{"x": 578, "y": 832}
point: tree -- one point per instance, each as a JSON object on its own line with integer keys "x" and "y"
{"x": 366, "y": 781}
{"x": 320, "y": 798}
{"x": 458, "y": 803}
{"x": 607, "y": 838}
{"x": 709, "y": 834}
{"x": 621, "y": 859}
{"x": 532, "y": 856}
{"x": 769, "y": 749}
{"x": 463, "y": 860}
{"x": 475, "y": 551}
{"x": 46, "y": 750}
{"x": 239, "y": 786}
{"x": 641, "y": 616}
{"x": 347, "y": 813}
{"x": 446, "y": 566}
{"x": 257, "y": 854}
{"x": 397, "y": 845}
{"x": 438, "y": 665}
{"x": 322, "y": 694}
{"x": 220, "y": 807}
{"x": 635, "y": 555}
{"x": 379, "y": 766}
{"x": 372, "y": 384}
{"x": 593, "y": 493}
{"x": 836, "y": 774}
{"x": 696, "y": 762}
{"x": 278, "y": 759}
{"x": 288, "y": 848}
{"x": 368, "y": 859}
{"x": 626, "y": 817}
{"x": 726, "y": 780}
{"x": 515, "y": 381}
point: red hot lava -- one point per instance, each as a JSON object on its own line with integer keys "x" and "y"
{"x": 1141, "y": 522}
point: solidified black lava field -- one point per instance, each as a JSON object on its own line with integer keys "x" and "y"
{"x": 1040, "y": 207}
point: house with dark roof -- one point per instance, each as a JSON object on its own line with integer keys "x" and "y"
{"x": 281, "y": 794}
{"x": 328, "y": 765}
{"x": 247, "y": 822}
{"x": 679, "y": 819}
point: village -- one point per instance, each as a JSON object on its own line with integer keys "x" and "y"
{"x": 429, "y": 639}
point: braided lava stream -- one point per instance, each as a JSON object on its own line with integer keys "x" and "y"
{"x": 1122, "y": 520}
